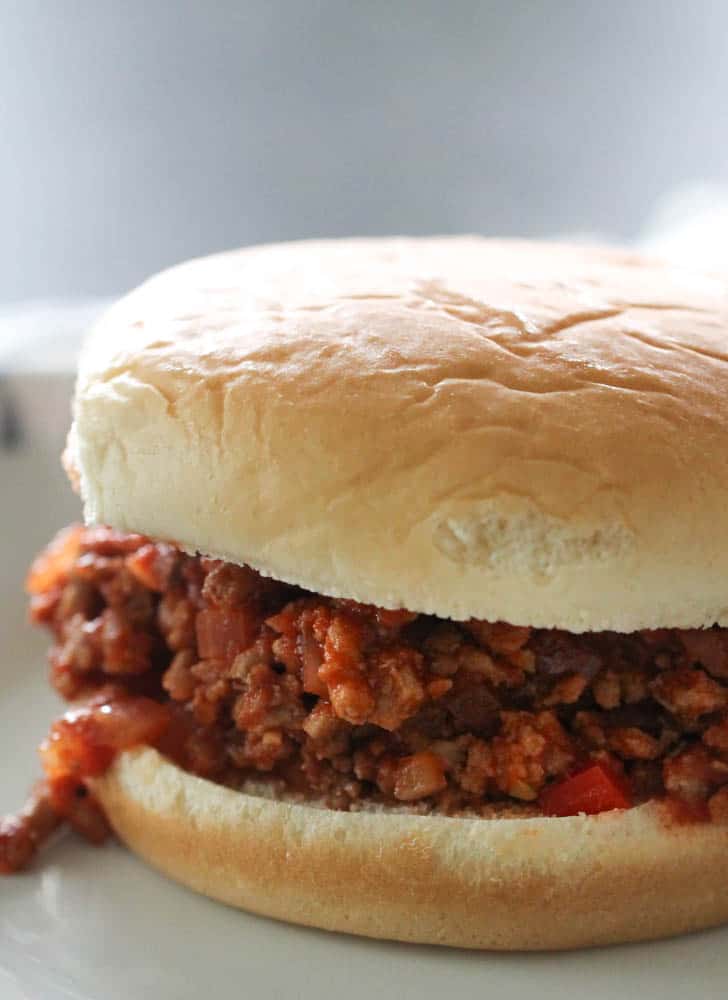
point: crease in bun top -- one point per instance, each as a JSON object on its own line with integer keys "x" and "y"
{"x": 414, "y": 531}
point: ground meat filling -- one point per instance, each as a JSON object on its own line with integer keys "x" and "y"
{"x": 236, "y": 676}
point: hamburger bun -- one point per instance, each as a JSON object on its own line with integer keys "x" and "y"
{"x": 505, "y": 884}
{"x": 511, "y": 431}
{"x": 524, "y": 432}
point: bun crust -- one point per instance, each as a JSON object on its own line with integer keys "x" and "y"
{"x": 498, "y": 884}
{"x": 533, "y": 433}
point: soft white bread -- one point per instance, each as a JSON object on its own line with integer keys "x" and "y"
{"x": 505, "y": 884}
{"x": 528, "y": 432}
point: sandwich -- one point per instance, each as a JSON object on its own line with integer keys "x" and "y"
{"x": 400, "y": 603}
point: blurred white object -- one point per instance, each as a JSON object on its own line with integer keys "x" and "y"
{"x": 45, "y": 336}
{"x": 691, "y": 227}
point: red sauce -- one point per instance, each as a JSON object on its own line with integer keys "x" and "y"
{"x": 84, "y": 741}
{"x": 81, "y": 744}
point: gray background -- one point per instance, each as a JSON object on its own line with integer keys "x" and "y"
{"x": 134, "y": 133}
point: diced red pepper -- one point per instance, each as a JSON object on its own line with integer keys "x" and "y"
{"x": 594, "y": 789}
{"x": 224, "y": 632}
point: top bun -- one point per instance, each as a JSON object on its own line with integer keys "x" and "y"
{"x": 533, "y": 433}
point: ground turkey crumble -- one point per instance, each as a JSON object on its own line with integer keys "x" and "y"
{"x": 235, "y": 675}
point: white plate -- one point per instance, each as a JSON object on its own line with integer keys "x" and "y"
{"x": 96, "y": 924}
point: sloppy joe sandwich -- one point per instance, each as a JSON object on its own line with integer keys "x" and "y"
{"x": 401, "y": 604}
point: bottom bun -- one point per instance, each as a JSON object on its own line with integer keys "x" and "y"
{"x": 474, "y": 883}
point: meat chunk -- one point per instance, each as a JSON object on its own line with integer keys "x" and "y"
{"x": 530, "y": 749}
{"x": 691, "y": 774}
{"x": 688, "y": 693}
{"x": 418, "y": 776}
{"x": 397, "y": 685}
{"x": 176, "y": 620}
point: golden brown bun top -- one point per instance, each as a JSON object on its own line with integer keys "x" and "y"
{"x": 536, "y": 433}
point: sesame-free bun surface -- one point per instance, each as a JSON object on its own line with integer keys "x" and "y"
{"x": 501, "y": 884}
{"x": 508, "y": 430}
